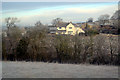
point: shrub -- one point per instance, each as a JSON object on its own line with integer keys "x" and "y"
{"x": 90, "y": 32}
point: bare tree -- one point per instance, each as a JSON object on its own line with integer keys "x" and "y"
{"x": 113, "y": 47}
{"x": 100, "y": 50}
{"x": 41, "y": 26}
{"x": 116, "y": 23}
{"x": 14, "y": 35}
{"x": 90, "y": 19}
{"x": 11, "y": 21}
{"x": 38, "y": 24}
{"x": 56, "y": 21}
{"x": 103, "y": 19}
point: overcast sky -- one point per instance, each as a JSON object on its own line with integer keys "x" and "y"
{"x": 30, "y": 12}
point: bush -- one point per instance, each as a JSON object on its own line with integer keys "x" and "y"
{"x": 22, "y": 48}
{"x": 63, "y": 48}
{"x": 37, "y": 45}
{"x": 91, "y": 32}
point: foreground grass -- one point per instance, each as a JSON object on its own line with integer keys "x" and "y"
{"x": 56, "y": 70}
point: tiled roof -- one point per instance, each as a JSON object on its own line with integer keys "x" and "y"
{"x": 77, "y": 25}
{"x": 62, "y": 24}
{"x": 65, "y": 24}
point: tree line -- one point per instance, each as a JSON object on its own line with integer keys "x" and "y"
{"x": 38, "y": 45}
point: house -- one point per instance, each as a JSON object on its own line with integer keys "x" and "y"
{"x": 88, "y": 25}
{"x": 66, "y": 28}
{"x": 52, "y": 29}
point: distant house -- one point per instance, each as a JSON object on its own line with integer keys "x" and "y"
{"x": 66, "y": 28}
{"x": 89, "y": 25}
{"x": 52, "y": 29}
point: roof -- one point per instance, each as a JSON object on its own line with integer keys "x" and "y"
{"x": 62, "y": 24}
{"x": 51, "y": 26}
{"x": 77, "y": 25}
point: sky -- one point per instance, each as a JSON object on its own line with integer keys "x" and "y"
{"x": 30, "y": 12}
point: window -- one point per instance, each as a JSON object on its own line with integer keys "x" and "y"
{"x": 70, "y": 27}
{"x": 70, "y": 32}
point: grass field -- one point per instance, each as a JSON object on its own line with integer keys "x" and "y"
{"x": 55, "y": 70}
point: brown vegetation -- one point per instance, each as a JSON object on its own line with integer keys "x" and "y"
{"x": 38, "y": 45}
